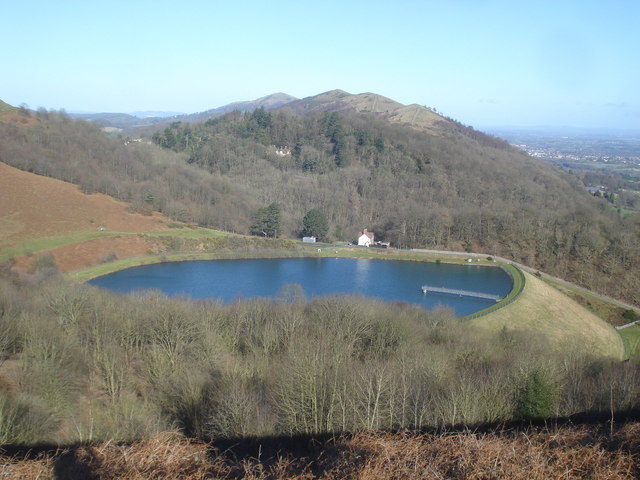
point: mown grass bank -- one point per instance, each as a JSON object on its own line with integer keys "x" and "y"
{"x": 631, "y": 338}
{"x": 543, "y": 309}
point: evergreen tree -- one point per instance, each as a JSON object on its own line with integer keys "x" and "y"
{"x": 266, "y": 221}
{"x": 315, "y": 224}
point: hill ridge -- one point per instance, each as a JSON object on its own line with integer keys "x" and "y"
{"x": 6, "y": 108}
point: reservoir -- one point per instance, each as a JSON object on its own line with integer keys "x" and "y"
{"x": 388, "y": 280}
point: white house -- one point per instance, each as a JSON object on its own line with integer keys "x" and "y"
{"x": 365, "y": 238}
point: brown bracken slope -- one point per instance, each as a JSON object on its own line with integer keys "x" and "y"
{"x": 568, "y": 453}
{"x": 33, "y": 206}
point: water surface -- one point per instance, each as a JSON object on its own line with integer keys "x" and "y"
{"x": 389, "y": 280}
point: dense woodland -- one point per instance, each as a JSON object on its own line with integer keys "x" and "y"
{"x": 82, "y": 364}
{"x": 457, "y": 189}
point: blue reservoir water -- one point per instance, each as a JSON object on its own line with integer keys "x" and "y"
{"x": 389, "y": 280}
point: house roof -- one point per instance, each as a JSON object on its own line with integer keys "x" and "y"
{"x": 367, "y": 233}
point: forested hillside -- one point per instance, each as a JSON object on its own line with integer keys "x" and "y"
{"x": 442, "y": 185}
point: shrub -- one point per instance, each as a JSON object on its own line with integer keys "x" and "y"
{"x": 110, "y": 256}
{"x": 22, "y": 421}
{"x": 44, "y": 261}
{"x": 631, "y": 315}
{"x": 536, "y": 397}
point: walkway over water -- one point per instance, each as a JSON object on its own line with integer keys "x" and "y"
{"x": 460, "y": 293}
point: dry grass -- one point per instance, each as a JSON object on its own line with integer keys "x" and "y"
{"x": 47, "y": 213}
{"x": 35, "y": 468}
{"x": 563, "y": 453}
{"x": 566, "y": 455}
{"x": 164, "y": 456}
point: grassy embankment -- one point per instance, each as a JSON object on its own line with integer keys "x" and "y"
{"x": 631, "y": 338}
{"x": 243, "y": 247}
{"x": 542, "y": 308}
{"x": 609, "y": 311}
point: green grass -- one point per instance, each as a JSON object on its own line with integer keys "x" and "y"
{"x": 391, "y": 253}
{"x": 38, "y": 245}
{"x": 189, "y": 232}
{"x": 601, "y": 307}
{"x": 625, "y": 212}
{"x": 631, "y": 338}
{"x": 43, "y": 244}
{"x": 566, "y": 323}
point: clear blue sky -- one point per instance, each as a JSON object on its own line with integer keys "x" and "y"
{"x": 482, "y": 62}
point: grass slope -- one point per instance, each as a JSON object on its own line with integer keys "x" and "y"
{"x": 543, "y": 308}
{"x": 34, "y": 206}
{"x": 631, "y": 337}
{"x": 40, "y": 214}
{"x": 5, "y": 107}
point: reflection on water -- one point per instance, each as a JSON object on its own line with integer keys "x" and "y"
{"x": 389, "y": 280}
{"x": 361, "y": 277}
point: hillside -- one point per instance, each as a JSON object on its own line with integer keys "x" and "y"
{"x": 40, "y": 213}
{"x": 141, "y": 121}
{"x": 34, "y": 206}
{"x": 440, "y": 186}
{"x": 341, "y": 101}
{"x": 5, "y": 107}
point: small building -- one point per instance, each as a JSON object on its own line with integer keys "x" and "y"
{"x": 283, "y": 151}
{"x": 308, "y": 239}
{"x": 365, "y": 238}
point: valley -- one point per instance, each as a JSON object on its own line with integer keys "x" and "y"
{"x": 80, "y": 364}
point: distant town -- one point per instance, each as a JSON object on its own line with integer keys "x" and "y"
{"x": 617, "y": 152}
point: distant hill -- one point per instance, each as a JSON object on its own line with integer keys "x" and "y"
{"x": 156, "y": 114}
{"x": 269, "y": 102}
{"x": 417, "y": 116}
{"x": 341, "y": 101}
{"x": 120, "y": 121}
{"x": 125, "y": 121}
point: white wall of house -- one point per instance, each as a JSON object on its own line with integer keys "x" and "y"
{"x": 364, "y": 240}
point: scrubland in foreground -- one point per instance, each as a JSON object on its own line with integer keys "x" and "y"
{"x": 84, "y": 365}
{"x": 531, "y": 454}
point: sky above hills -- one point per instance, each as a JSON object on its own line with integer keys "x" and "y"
{"x": 482, "y": 62}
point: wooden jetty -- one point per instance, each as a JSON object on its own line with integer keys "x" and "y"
{"x": 460, "y": 293}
